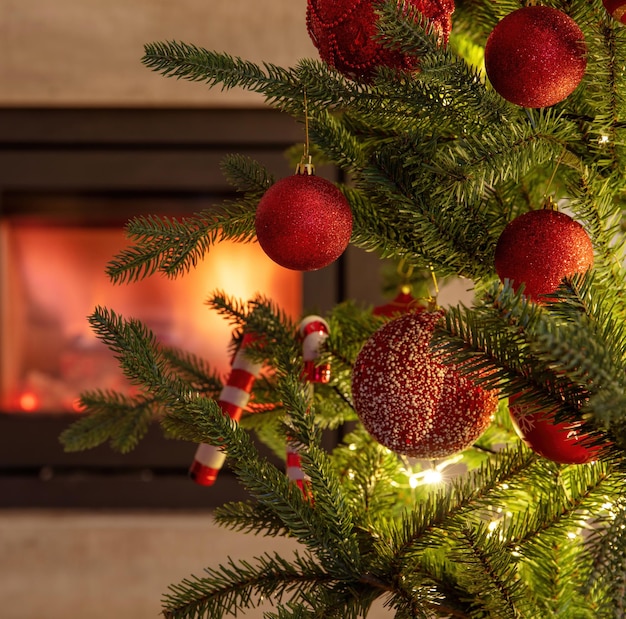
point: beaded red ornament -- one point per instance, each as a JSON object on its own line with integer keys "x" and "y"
{"x": 536, "y": 56}
{"x": 303, "y": 222}
{"x": 560, "y": 442}
{"x": 616, "y": 9}
{"x": 539, "y": 249}
{"x": 411, "y": 403}
{"x": 343, "y": 31}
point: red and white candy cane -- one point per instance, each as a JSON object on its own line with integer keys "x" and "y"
{"x": 313, "y": 331}
{"x": 233, "y": 400}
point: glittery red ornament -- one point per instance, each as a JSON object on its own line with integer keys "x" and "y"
{"x": 343, "y": 32}
{"x": 303, "y": 222}
{"x": 539, "y": 249}
{"x": 560, "y": 442}
{"x": 616, "y": 9}
{"x": 411, "y": 403}
{"x": 536, "y": 56}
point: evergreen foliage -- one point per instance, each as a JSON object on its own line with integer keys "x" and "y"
{"x": 438, "y": 164}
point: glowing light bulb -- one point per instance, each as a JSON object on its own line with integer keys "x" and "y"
{"x": 432, "y": 476}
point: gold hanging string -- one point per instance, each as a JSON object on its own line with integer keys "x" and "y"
{"x": 305, "y": 166}
{"x": 306, "y": 127}
{"x": 547, "y": 200}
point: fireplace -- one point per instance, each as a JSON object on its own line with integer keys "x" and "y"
{"x": 69, "y": 179}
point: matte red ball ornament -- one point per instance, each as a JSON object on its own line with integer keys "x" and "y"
{"x": 539, "y": 249}
{"x": 343, "y": 31}
{"x": 409, "y": 401}
{"x": 536, "y": 56}
{"x": 616, "y": 9}
{"x": 560, "y": 442}
{"x": 303, "y": 222}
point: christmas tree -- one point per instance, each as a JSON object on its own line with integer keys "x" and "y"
{"x": 484, "y": 143}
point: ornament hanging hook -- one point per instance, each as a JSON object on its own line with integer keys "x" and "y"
{"x": 433, "y": 298}
{"x": 405, "y": 271}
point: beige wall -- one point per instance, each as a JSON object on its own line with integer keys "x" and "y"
{"x": 111, "y": 565}
{"x": 87, "y": 52}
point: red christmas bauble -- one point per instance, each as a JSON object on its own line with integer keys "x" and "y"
{"x": 403, "y": 302}
{"x": 411, "y": 403}
{"x": 560, "y": 442}
{"x": 303, "y": 222}
{"x": 539, "y": 249}
{"x": 616, "y": 9}
{"x": 343, "y": 32}
{"x": 536, "y": 56}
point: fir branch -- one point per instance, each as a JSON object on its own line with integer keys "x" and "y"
{"x": 138, "y": 353}
{"x": 321, "y": 529}
{"x": 245, "y": 174}
{"x": 250, "y": 517}
{"x": 373, "y": 229}
{"x": 181, "y": 60}
{"x": 236, "y": 311}
{"x": 291, "y": 611}
{"x": 568, "y": 360}
{"x": 261, "y": 316}
{"x": 242, "y": 584}
{"x": 331, "y": 504}
{"x": 113, "y": 417}
{"x": 568, "y": 494}
{"x": 604, "y": 104}
{"x": 593, "y": 201}
{"x": 368, "y": 475}
{"x": 456, "y": 89}
{"x": 608, "y": 568}
{"x": 328, "y": 131}
{"x": 193, "y": 370}
{"x": 173, "y": 247}
{"x": 490, "y": 343}
{"x": 482, "y": 486}
{"x": 489, "y": 575}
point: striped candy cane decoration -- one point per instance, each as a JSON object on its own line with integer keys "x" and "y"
{"x": 233, "y": 399}
{"x": 313, "y": 331}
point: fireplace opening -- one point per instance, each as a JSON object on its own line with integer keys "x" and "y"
{"x": 53, "y": 276}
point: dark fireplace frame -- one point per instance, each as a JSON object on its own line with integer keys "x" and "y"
{"x": 171, "y": 153}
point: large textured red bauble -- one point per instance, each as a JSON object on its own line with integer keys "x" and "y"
{"x": 411, "y": 403}
{"x": 560, "y": 442}
{"x": 303, "y": 222}
{"x": 616, "y": 9}
{"x": 539, "y": 249}
{"x": 343, "y": 32}
{"x": 536, "y": 56}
